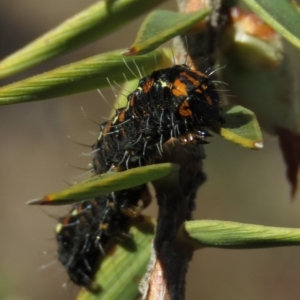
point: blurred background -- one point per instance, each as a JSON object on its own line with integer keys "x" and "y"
{"x": 243, "y": 185}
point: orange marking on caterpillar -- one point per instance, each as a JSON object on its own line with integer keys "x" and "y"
{"x": 200, "y": 74}
{"x": 148, "y": 85}
{"x": 131, "y": 101}
{"x": 179, "y": 88}
{"x": 104, "y": 226}
{"x": 194, "y": 81}
{"x": 184, "y": 109}
{"x": 121, "y": 117}
{"x": 106, "y": 128}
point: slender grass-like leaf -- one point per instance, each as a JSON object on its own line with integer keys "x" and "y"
{"x": 121, "y": 100}
{"x": 107, "y": 183}
{"x": 281, "y": 15}
{"x": 91, "y": 24}
{"x": 240, "y": 126}
{"x": 82, "y": 76}
{"x": 124, "y": 265}
{"x": 233, "y": 235}
{"x": 162, "y": 25}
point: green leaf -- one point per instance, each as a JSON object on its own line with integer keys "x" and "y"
{"x": 281, "y": 15}
{"x": 233, "y": 235}
{"x": 82, "y": 76}
{"x": 121, "y": 100}
{"x": 162, "y": 25}
{"x": 124, "y": 265}
{"x": 240, "y": 126}
{"x": 85, "y": 27}
{"x": 107, "y": 183}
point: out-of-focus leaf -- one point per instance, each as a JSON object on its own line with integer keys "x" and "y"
{"x": 266, "y": 86}
{"x": 124, "y": 265}
{"x": 85, "y": 27}
{"x": 296, "y": 5}
{"x": 281, "y": 15}
{"x": 240, "y": 126}
{"x": 162, "y": 25}
{"x": 233, "y": 235}
{"x": 247, "y": 36}
{"x": 265, "y": 82}
{"x": 107, "y": 183}
{"x": 82, "y": 76}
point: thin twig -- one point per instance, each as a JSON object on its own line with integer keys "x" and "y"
{"x": 176, "y": 203}
{"x": 169, "y": 264}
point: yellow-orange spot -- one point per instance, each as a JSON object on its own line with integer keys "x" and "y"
{"x": 106, "y": 128}
{"x": 131, "y": 51}
{"x": 204, "y": 86}
{"x": 48, "y": 198}
{"x": 191, "y": 79}
{"x": 198, "y": 91}
{"x": 121, "y": 117}
{"x": 74, "y": 212}
{"x": 104, "y": 226}
{"x": 58, "y": 228}
{"x": 184, "y": 109}
{"x": 131, "y": 101}
{"x": 179, "y": 88}
{"x": 148, "y": 85}
{"x": 200, "y": 74}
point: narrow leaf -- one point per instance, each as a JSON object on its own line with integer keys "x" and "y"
{"x": 233, "y": 235}
{"x": 124, "y": 265}
{"x": 281, "y": 15}
{"x": 121, "y": 100}
{"x": 82, "y": 76}
{"x": 240, "y": 126}
{"x": 107, "y": 183}
{"x": 162, "y": 25}
{"x": 85, "y": 27}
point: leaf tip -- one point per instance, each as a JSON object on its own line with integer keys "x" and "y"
{"x": 258, "y": 145}
{"x": 130, "y": 51}
{"x": 38, "y": 201}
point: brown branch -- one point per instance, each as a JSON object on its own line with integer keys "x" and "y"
{"x": 176, "y": 203}
{"x": 169, "y": 264}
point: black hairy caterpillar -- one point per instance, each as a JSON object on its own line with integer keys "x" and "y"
{"x": 176, "y": 102}
{"x": 83, "y": 233}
